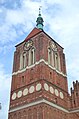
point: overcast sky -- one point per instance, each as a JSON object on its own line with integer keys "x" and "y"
{"x": 18, "y": 18}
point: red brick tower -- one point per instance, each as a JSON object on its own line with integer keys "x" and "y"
{"x": 74, "y": 101}
{"x": 75, "y": 95}
{"x": 39, "y": 82}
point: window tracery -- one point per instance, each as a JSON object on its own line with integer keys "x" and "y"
{"x": 53, "y": 56}
{"x": 27, "y": 57}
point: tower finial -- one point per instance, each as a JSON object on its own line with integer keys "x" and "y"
{"x": 40, "y": 10}
{"x": 39, "y": 20}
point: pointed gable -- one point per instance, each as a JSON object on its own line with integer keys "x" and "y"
{"x": 34, "y": 32}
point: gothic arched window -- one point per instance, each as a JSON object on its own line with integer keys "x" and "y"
{"x": 19, "y": 115}
{"x": 22, "y": 60}
{"x": 15, "y": 116}
{"x": 49, "y": 55}
{"x": 31, "y": 59}
{"x": 30, "y": 114}
{"x": 35, "y": 113}
{"x": 10, "y": 117}
{"x": 40, "y": 113}
{"x": 53, "y": 56}
{"x": 56, "y": 61}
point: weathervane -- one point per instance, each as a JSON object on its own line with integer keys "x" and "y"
{"x": 40, "y": 10}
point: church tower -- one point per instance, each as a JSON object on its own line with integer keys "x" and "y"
{"x": 39, "y": 87}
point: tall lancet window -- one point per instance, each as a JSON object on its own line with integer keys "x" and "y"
{"x": 49, "y": 55}
{"x": 22, "y": 60}
{"x": 53, "y": 56}
{"x": 57, "y": 60}
{"x": 31, "y": 56}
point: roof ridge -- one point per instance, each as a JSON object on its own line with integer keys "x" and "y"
{"x": 33, "y": 33}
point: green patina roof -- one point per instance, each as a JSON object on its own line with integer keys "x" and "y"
{"x": 39, "y": 21}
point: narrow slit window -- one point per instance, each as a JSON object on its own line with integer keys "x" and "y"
{"x": 31, "y": 57}
{"x": 24, "y": 60}
{"x": 49, "y": 56}
{"x": 56, "y": 61}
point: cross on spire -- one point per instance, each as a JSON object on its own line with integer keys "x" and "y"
{"x": 39, "y": 20}
{"x": 40, "y": 10}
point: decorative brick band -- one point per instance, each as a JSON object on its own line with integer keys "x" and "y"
{"x": 38, "y": 102}
{"x": 43, "y": 101}
{"x": 36, "y": 63}
{"x": 38, "y": 87}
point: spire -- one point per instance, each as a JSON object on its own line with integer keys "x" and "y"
{"x": 39, "y": 20}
